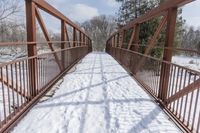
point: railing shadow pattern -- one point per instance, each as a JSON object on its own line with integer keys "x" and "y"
{"x": 16, "y": 96}
{"x": 182, "y": 100}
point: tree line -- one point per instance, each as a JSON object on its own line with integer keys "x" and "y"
{"x": 101, "y": 27}
{"x": 185, "y": 37}
{"x": 191, "y": 38}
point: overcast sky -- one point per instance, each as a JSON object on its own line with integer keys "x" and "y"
{"x": 191, "y": 13}
{"x": 82, "y": 10}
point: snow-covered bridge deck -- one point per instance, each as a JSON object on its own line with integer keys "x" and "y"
{"x": 97, "y": 96}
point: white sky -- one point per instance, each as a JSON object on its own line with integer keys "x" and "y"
{"x": 191, "y": 13}
{"x": 82, "y": 10}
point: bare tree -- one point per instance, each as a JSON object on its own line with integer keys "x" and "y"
{"x": 191, "y": 38}
{"x": 100, "y": 28}
{"x": 10, "y": 29}
{"x": 8, "y": 8}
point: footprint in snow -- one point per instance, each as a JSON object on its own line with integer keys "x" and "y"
{"x": 135, "y": 111}
{"x": 117, "y": 123}
{"x": 118, "y": 83}
{"x": 80, "y": 97}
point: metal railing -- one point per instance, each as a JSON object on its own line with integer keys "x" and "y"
{"x": 16, "y": 96}
{"x": 182, "y": 98}
{"x": 24, "y": 81}
{"x": 175, "y": 88}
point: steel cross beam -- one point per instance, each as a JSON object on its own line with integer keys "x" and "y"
{"x": 152, "y": 42}
{"x": 17, "y": 89}
{"x": 186, "y": 90}
{"x": 132, "y": 37}
{"x": 51, "y": 10}
{"x": 158, "y": 11}
{"x": 63, "y": 46}
{"x": 67, "y": 36}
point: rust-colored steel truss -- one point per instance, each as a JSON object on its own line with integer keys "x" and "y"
{"x": 176, "y": 88}
{"x": 25, "y": 80}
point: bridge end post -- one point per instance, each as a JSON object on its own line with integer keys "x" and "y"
{"x": 167, "y": 56}
{"x": 31, "y": 48}
{"x": 63, "y": 39}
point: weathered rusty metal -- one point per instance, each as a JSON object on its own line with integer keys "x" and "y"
{"x": 63, "y": 45}
{"x": 167, "y": 56}
{"x": 132, "y": 37}
{"x": 152, "y": 41}
{"x": 24, "y": 81}
{"x": 175, "y": 87}
{"x": 32, "y": 50}
{"x": 45, "y": 32}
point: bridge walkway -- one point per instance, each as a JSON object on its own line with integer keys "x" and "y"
{"x": 96, "y": 96}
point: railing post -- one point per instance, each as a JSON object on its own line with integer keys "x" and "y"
{"x": 32, "y": 50}
{"x": 136, "y": 37}
{"x": 80, "y": 34}
{"x": 74, "y": 37}
{"x": 63, "y": 39}
{"x": 122, "y": 38}
{"x": 117, "y": 40}
{"x": 84, "y": 40}
{"x": 114, "y": 40}
{"x": 167, "y": 56}
{"x": 90, "y": 45}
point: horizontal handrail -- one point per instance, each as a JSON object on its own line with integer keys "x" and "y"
{"x": 183, "y": 92}
{"x": 15, "y": 83}
{"x": 158, "y": 11}
{"x": 44, "y": 42}
{"x": 168, "y": 48}
{"x": 43, "y": 54}
{"x": 160, "y": 60}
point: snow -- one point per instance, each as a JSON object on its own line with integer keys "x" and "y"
{"x": 97, "y": 96}
{"x": 8, "y": 97}
{"x": 192, "y": 62}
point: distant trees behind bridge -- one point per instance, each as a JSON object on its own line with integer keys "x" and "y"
{"x": 185, "y": 37}
{"x": 191, "y": 38}
{"x": 99, "y": 29}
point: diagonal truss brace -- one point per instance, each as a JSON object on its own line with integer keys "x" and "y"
{"x": 67, "y": 36}
{"x": 45, "y": 32}
{"x": 186, "y": 90}
{"x": 152, "y": 42}
{"x": 8, "y": 83}
{"x": 132, "y": 37}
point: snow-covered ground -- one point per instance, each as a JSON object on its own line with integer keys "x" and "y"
{"x": 187, "y": 61}
{"x": 97, "y": 96}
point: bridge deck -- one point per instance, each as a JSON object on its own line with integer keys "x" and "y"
{"x": 98, "y": 95}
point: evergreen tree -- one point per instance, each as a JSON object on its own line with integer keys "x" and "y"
{"x": 132, "y": 9}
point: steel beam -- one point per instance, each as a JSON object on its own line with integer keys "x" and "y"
{"x": 158, "y": 11}
{"x": 32, "y": 50}
{"x": 136, "y": 37}
{"x": 132, "y": 37}
{"x": 167, "y": 56}
{"x": 63, "y": 46}
{"x": 152, "y": 42}
{"x": 74, "y": 37}
{"x": 122, "y": 38}
{"x": 54, "y": 12}
{"x": 186, "y": 90}
{"x": 67, "y": 36}
{"x": 45, "y": 32}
